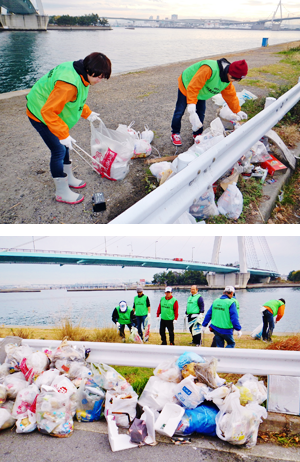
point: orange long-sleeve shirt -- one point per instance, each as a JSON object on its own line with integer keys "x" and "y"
{"x": 280, "y": 312}
{"x": 61, "y": 94}
{"x": 198, "y": 81}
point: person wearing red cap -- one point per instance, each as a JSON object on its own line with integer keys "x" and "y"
{"x": 202, "y": 81}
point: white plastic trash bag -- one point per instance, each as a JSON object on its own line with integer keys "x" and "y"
{"x": 251, "y": 389}
{"x": 259, "y": 152}
{"x": 6, "y": 419}
{"x": 157, "y": 393}
{"x": 142, "y": 148}
{"x": 128, "y": 129}
{"x": 54, "y": 412}
{"x": 147, "y": 134}
{"x": 168, "y": 371}
{"x": 113, "y": 150}
{"x": 205, "y": 206}
{"x": 238, "y": 424}
{"x": 24, "y": 400}
{"x": 158, "y": 168}
{"x": 231, "y": 202}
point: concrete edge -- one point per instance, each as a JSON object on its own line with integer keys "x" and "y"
{"x": 267, "y": 450}
{"x": 272, "y": 191}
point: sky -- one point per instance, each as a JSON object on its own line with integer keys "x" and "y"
{"x": 285, "y": 252}
{"x": 230, "y": 9}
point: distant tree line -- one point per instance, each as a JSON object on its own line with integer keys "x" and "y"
{"x": 185, "y": 278}
{"x": 294, "y": 276}
{"x": 86, "y": 20}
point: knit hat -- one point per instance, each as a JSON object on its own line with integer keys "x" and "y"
{"x": 238, "y": 69}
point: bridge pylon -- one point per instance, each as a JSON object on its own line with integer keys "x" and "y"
{"x": 237, "y": 280}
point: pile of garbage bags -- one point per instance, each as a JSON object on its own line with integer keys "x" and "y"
{"x": 46, "y": 390}
{"x": 211, "y": 406}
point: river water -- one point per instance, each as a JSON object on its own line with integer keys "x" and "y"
{"x": 94, "y": 308}
{"x": 26, "y": 56}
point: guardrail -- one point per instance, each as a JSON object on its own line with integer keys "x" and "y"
{"x": 230, "y": 360}
{"x": 170, "y": 200}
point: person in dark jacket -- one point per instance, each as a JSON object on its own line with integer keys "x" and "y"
{"x": 195, "y": 306}
{"x": 123, "y": 316}
{"x": 224, "y": 318}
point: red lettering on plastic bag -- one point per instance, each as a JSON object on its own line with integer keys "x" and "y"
{"x": 28, "y": 373}
{"x": 106, "y": 162}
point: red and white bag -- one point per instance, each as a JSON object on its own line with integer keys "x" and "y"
{"x": 111, "y": 151}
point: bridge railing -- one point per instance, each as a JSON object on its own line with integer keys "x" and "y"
{"x": 174, "y": 197}
{"x": 230, "y": 360}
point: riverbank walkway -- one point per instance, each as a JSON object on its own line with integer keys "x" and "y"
{"x": 147, "y": 97}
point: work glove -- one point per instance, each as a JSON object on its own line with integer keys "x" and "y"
{"x": 93, "y": 116}
{"x": 242, "y": 116}
{"x": 117, "y": 324}
{"x": 203, "y": 329}
{"x": 194, "y": 118}
{"x": 175, "y": 321}
{"x": 68, "y": 142}
{"x": 239, "y": 334}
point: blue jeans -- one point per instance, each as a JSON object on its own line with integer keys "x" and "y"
{"x": 221, "y": 338}
{"x": 268, "y": 320}
{"x": 59, "y": 153}
{"x": 180, "y": 108}
{"x": 140, "y": 322}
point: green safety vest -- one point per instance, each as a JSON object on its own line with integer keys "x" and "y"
{"x": 167, "y": 311}
{"x": 140, "y": 305}
{"x": 213, "y": 86}
{"x": 41, "y": 90}
{"x": 220, "y": 313}
{"x": 124, "y": 318}
{"x": 237, "y": 304}
{"x": 274, "y": 305}
{"x": 192, "y": 304}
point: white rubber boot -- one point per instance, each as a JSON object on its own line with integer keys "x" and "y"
{"x": 64, "y": 193}
{"x": 72, "y": 181}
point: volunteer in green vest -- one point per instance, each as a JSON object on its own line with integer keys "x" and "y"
{"x": 195, "y": 306}
{"x": 141, "y": 306}
{"x": 55, "y": 104}
{"x": 200, "y": 82}
{"x": 213, "y": 345}
{"x": 269, "y": 311}
{"x": 224, "y": 318}
{"x": 168, "y": 312}
{"x": 123, "y": 316}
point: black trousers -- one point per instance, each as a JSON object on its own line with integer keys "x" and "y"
{"x": 122, "y": 328}
{"x": 162, "y": 330}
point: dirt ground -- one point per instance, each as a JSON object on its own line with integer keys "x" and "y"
{"x": 147, "y": 97}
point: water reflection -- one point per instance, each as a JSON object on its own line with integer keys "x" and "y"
{"x": 18, "y": 64}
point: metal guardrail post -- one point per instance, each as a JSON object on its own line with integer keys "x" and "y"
{"x": 175, "y": 196}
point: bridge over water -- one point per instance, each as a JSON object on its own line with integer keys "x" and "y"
{"x": 23, "y": 15}
{"x": 230, "y": 273}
